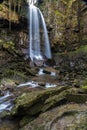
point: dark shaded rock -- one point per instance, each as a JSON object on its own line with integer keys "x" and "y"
{"x": 50, "y": 71}
{"x": 1, "y": 1}
{"x": 70, "y": 116}
{"x": 50, "y": 62}
{"x": 8, "y": 125}
{"x": 36, "y": 100}
{"x": 40, "y": 101}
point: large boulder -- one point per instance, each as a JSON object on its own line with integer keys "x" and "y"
{"x": 29, "y": 105}
{"x": 67, "y": 117}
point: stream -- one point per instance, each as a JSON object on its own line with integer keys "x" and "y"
{"x": 6, "y": 101}
{"x": 44, "y": 76}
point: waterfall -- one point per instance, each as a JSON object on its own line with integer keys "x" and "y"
{"x": 39, "y": 46}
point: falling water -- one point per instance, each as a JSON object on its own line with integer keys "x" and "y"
{"x": 39, "y": 46}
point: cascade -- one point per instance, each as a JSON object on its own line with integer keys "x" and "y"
{"x": 39, "y": 46}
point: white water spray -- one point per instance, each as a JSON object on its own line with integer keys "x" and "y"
{"x": 39, "y": 46}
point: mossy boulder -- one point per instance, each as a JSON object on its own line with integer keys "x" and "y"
{"x": 84, "y": 85}
{"x": 6, "y": 83}
{"x": 84, "y": 88}
{"x": 69, "y": 117}
{"x": 29, "y": 105}
{"x": 34, "y": 101}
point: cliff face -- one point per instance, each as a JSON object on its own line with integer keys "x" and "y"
{"x": 66, "y": 21}
{"x": 13, "y": 37}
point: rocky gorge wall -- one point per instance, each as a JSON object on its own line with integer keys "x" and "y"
{"x": 66, "y": 21}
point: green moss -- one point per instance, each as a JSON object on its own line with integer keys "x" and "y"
{"x": 81, "y": 50}
{"x": 85, "y": 38}
{"x": 85, "y": 82}
{"x": 34, "y": 102}
{"x": 5, "y": 81}
{"x": 9, "y": 45}
{"x": 13, "y": 74}
{"x": 1, "y": 8}
{"x": 1, "y": 42}
{"x": 84, "y": 87}
{"x": 26, "y": 120}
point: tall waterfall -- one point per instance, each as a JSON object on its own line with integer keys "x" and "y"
{"x": 39, "y": 46}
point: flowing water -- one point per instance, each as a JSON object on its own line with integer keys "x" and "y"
{"x": 6, "y": 101}
{"x": 30, "y": 84}
{"x": 39, "y": 49}
{"x": 39, "y": 46}
{"x": 43, "y": 80}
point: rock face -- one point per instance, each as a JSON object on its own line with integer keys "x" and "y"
{"x": 64, "y": 19}
{"x": 66, "y": 104}
{"x": 67, "y": 117}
